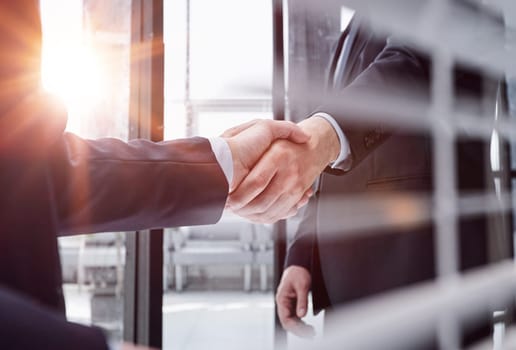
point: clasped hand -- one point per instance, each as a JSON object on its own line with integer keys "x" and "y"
{"x": 275, "y": 164}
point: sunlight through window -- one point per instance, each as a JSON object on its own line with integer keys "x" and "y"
{"x": 74, "y": 73}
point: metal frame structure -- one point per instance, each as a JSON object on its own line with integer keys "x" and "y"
{"x": 278, "y": 110}
{"x": 144, "y": 262}
{"x": 405, "y": 318}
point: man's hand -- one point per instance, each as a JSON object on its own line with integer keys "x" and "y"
{"x": 292, "y": 301}
{"x": 249, "y": 141}
{"x": 280, "y": 183}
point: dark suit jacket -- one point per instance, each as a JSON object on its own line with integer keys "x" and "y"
{"x": 384, "y": 160}
{"x": 53, "y": 183}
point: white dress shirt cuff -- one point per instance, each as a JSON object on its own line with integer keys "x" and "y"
{"x": 344, "y": 144}
{"x": 222, "y": 152}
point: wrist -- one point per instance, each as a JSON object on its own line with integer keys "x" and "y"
{"x": 239, "y": 169}
{"x": 323, "y": 139}
{"x": 298, "y": 273}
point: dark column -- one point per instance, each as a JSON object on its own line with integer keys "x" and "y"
{"x": 144, "y": 260}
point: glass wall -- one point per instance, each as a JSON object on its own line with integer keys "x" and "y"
{"x": 218, "y": 59}
{"x": 218, "y": 73}
{"x": 86, "y": 63}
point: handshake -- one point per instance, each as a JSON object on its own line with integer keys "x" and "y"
{"x": 275, "y": 164}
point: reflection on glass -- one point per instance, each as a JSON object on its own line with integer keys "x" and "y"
{"x": 86, "y": 63}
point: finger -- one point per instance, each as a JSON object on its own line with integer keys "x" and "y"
{"x": 285, "y": 312}
{"x": 276, "y": 211}
{"x": 288, "y": 130}
{"x": 271, "y": 214}
{"x": 284, "y": 206}
{"x": 253, "y": 184}
{"x": 292, "y": 212}
{"x": 277, "y": 199}
{"x": 239, "y": 128}
{"x": 263, "y": 200}
{"x": 285, "y": 300}
{"x": 302, "y": 301}
{"x": 306, "y": 198}
{"x": 270, "y": 217}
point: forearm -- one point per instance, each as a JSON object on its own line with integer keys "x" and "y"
{"x": 110, "y": 185}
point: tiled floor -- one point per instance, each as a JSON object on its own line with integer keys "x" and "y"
{"x": 199, "y": 320}
{"x": 218, "y": 320}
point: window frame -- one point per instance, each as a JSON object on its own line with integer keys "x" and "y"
{"x": 144, "y": 249}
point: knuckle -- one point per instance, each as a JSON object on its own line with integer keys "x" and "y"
{"x": 244, "y": 215}
{"x": 259, "y": 180}
{"x": 263, "y": 204}
{"x": 266, "y": 123}
{"x": 261, "y": 208}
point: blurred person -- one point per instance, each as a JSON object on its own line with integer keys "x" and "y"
{"x": 372, "y": 159}
{"x": 54, "y": 183}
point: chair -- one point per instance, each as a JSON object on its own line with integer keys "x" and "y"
{"x": 225, "y": 243}
{"x": 263, "y": 246}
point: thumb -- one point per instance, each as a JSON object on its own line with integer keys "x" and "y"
{"x": 302, "y": 301}
{"x": 288, "y": 130}
{"x": 238, "y": 129}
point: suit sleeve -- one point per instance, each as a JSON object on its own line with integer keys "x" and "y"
{"x": 396, "y": 74}
{"x": 110, "y": 185}
{"x": 301, "y": 249}
{"x": 25, "y": 325}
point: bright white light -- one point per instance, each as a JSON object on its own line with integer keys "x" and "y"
{"x": 74, "y": 74}
{"x": 71, "y": 68}
{"x": 346, "y": 14}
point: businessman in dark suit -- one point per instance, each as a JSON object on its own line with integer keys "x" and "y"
{"x": 54, "y": 183}
{"x": 381, "y": 160}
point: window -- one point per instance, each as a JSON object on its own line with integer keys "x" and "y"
{"x": 86, "y": 62}
{"x": 218, "y": 74}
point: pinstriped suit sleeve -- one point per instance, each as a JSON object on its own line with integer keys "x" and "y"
{"x": 110, "y": 185}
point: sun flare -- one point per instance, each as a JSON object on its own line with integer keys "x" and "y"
{"x": 74, "y": 74}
